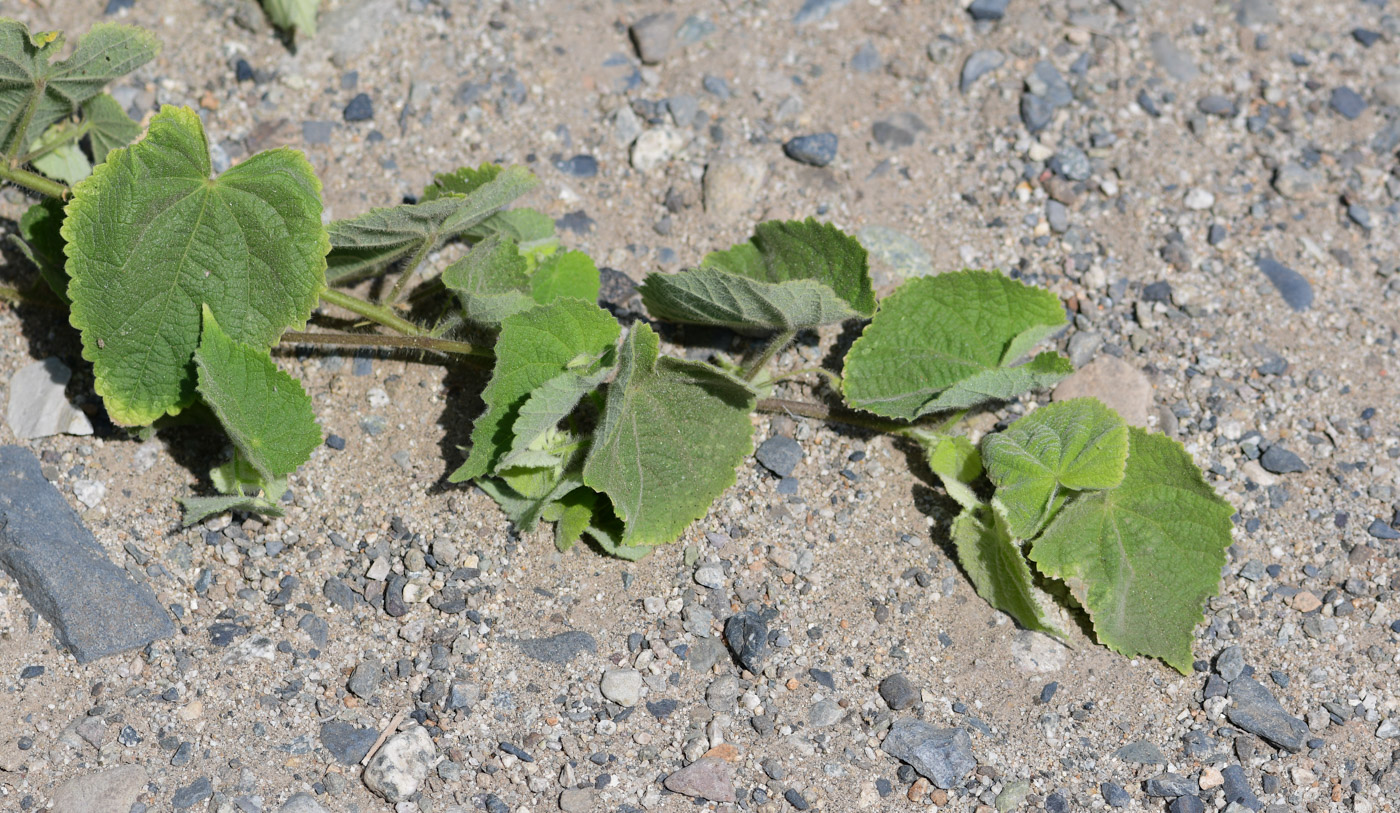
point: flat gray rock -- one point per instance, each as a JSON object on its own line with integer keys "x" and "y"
{"x": 560, "y": 648}
{"x": 95, "y": 607}
{"x": 942, "y": 755}
{"x": 1295, "y": 289}
{"x": 38, "y": 407}
{"x": 110, "y": 791}
{"x": 1257, "y": 711}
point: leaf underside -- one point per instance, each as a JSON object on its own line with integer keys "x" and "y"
{"x": 151, "y": 238}
{"x": 1060, "y": 448}
{"x": 997, "y": 568}
{"x": 949, "y": 342}
{"x": 198, "y": 509}
{"x": 791, "y": 275}
{"x": 1143, "y": 557}
{"x": 534, "y": 346}
{"x": 958, "y": 465}
{"x": 491, "y": 282}
{"x": 110, "y": 127}
{"x": 671, "y": 435}
{"x": 264, "y": 410}
{"x": 40, "y": 228}
{"x": 546, "y": 406}
{"x": 288, "y": 15}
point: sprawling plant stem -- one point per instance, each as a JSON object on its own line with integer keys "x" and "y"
{"x": 378, "y": 314}
{"x": 409, "y": 269}
{"x": 480, "y": 356}
{"x": 822, "y": 412}
{"x": 69, "y": 136}
{"x": 33, "y": 181}
{"x": 774, "y": 347}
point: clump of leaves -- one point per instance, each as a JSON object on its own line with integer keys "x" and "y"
{"x": 592, "y": 427}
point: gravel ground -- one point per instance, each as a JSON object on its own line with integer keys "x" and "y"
{"x": 1211, "y": 188}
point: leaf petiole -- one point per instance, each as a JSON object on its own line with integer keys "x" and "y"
{"x": 474, "y": 354}
{"x": 69, "y": 136}
{"x": 33, "y": 182}
{"x": 832, "y": 379}
{"x": 378, "y": 314}
{"x": 774, "y": 348}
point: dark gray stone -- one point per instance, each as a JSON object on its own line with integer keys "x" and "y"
{"x": 360, "y": 108}
{"x": 898, "y": 692}
{"x": 1169, "y": 785}
{"x": 1294, "y": 287}
{"x": 192, "y": 794}
{"x": 1072, "y": 163}
{"x": 95, "y": 607}
{"x": 364, "y": 681}
{"x": 347, "y": 743}
{"x": 1281, "y": 461}
{"x": 818, "y": 149}
{"x": 1186, "y": 804}
{"x": 1036, "y": 112}
{"x": 1257, "y": 711}
{"x": 1380, "y": 530}
{"x": 579, "y": 166}
{"x": 988, "y": 9}
{"x": 1141, "y": 752}
{"x": 652, "y": 35}
{"x": 814, "y": 10}
{"x": 1114, "y": 794}
{"x": 779, "y": 454}
{"x": 1237, "y": 789}
{"x": 1218, "y": 104}
{"x": 941, "y": 755}
{"x": 1347, "y": 103}
{"x": 558, "y": 649}
{"x": 747, "y": 637}
{"x": 866, "y": 59}
{"x": 899, "y": 130}
{"x": 979, "y": 65}
{"x": 1229, "y": 664}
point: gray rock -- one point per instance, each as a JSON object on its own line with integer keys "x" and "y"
{"x": 1257, "y": 711}
{"x": 110, "y": 791}
{"x": 301, "y": 803}
{"x": 898, "y": 693}
{"x": 988, "y": 9}
{"x": 558, "y": 649}
{"x": 1057, "y": 215}
{"x": 316, "y": 132}
{"x": 1217, "y": 104}
{"x": 1236, "y": 788}
{"x": 192, "y": 794}
{"x": 1141, "y": 752}
{"x": 899, "y": 130}
{"x": 1229, "y": 664}
{"x": 38, "y": 407}
{"x": 1114, "y": 794}
{"x": 941, "y": 755}
{"x": 1256, "y": 12}
{"x": 1279, "y": 460}
{"x": 364, "y": 680}
{"x": 1389, "y": 729}
{"x": 899, "y": 252}
{"x": 704, "y": 654}
{"x": 1172, "y": 60}
{"x": 1113, "y": 381}
{"x": 978, "y": 65}
{"x": 706, "y": 778}
{"x": 576, "y": 800}
{"x": 462, "y": 696}
{"x": 818, "y": 149}
{"x": 825, "y": 713}
{"x": 1071, "y": 163}
{"x": 347, "y": 743}
{"x": 747, "y": 637}
{"x": 622, "y": 686}
{"x": 779, "y": 454}
{"x": 1379, "y": 530}
{"x": 1046, "y": 81}
{"x": 1036, "y": 112}
{"x": 866, "y": 59}
{"x": 815, "y": 10}
{"x": 401, "y": 765}
{"x": 731, "y": 187}
{"x": 653, "y": 35}
{"x": 1082, "y": 347}
{"x": 1295, "y": 181}
{"x": 95, "y": 607}
{"x": 1347, "y": 103}
{"x": 1295, "y": 289}
{"x": 1169, "y": 785}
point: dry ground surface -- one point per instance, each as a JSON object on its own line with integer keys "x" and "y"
{"x": 1175, "y": 145}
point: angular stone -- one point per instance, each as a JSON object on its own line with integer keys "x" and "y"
{"x": 1169, "y": 785}
{"x": 779, "y": 454}
{"x": 110, "y": 791}
{"x": 1141, "y": 752}
{"x": 347, "y": 743}
{"x": 401, "y": 765}
{"x": 978, "y": 65}
{"x": 653, "y": 35}
{"x": 192, "y": 794}
{"x": 38, "y": 405}
{"x": 1114, "y": 381}
{"x": 558, "y": 649}
{"x": 1257, "y": 711}
{"x": 1295, "y": 181}
{"x": 942, "y": 755}
{"x": 95, "y": 607}
{"x": 706, "y": 778}
{"x": 301, "y": 803}
{"x": 747, "y": 637}
{"x": 898, "y": 692}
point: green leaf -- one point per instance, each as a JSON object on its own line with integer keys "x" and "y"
{"x": 490, "y": 281}
{"x": 238, "y": 476}
{"x": 946, "y": 342}
{"x": 525, "y": 495}
{"x": 293, "y": 14}
{"x": 671, "y": 435}
{"x": 462, "y": 181}
{"x": 532, "y": 231}
{"x": 997, "y": 568}
{"x": 264, "y": 410}
{"x": 571, "y": 274}
{"x": 549, "y": 404}
{"x": 368, "y": 243}
{"x": 41, "y": 238}
{"x": 66, "y": 162}
{"x": 56, "y": 90}
{"x": 791, "y": 275}
{"x": 534, "y": 346}
{"x": 109, "y": 127}
{"x": 151, "y": 239}
{"x": 1060, "y": 448}
{"x": 1142, "y": 557}
{"x": 198, "y": 509}
{"x": 572, "y": 514}
{"x": 956, "y": 462}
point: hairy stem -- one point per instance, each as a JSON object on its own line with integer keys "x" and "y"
{"x": 410, "y": 268}
{"x": 774, "y": 347}
{"x": 33, "y": 182}
{"x": 69, "y": 136}
{"x": 832, "y": 379}
{"x": 822, "y": 412}
{"x": 22, "y": 127}
{"x": 474, "y": 354}
{"x": 375, "y": 313}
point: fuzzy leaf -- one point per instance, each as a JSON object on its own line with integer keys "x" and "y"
{"x": 792, "y": 274}
{"x": 532, "y": 231}
{"x": 368, "y": 243}
{"x": 264, "y": 410}
{"x": 997, "y": 568}
{"x": 198, "y": 509}
{"x": 572, "y": 514}
{"x": 107, "y": 52}
{"x": 533, "y": 347}
{"x": 549, "y": 404}
{"x": 40, "y": 234}
{"x": 570, "y": 274}
{"x": 239, "y": 476}
{"x": 109, "y": 127}
{"x": 66, "y": 162}
{"x": 1041, "y": 459}
{"x": 288, "y": 15}
{"x": 956, "y": 462}
{"x": 490, "y": 281}
{"x": 670, "y": 437}
{"x": 526, "y": 496}
{"x": 151, "y": 239}
{"x": 1141, "y": 558}
{"x": 946, "y": 342}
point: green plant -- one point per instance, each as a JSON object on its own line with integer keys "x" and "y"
{"x": 293, "y": 16}
{"x": 181, "y": 283}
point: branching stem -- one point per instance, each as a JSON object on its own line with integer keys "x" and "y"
{"x": 375, "y": 313}
{"x": 474, "y": 355}
{"x": 69, "y": 136}
{"x": 774, "y": 347}
{"x": 410, "y": 268}
{"x": 822, "y": 412}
